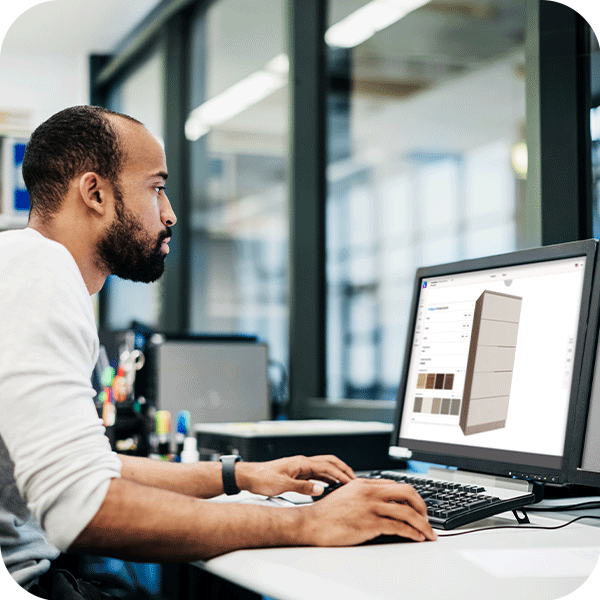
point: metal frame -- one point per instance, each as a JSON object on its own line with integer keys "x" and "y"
{"x": 307, "y": 191}
{"x": 175, "y": 315}
{"x": 565, "y": 145}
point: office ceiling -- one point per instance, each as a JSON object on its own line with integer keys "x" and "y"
{"x": 419, "y": 57}
{"x": 421, "y": 63}
{"x": 69, "y": 27}
{"x": 74, "y": 27}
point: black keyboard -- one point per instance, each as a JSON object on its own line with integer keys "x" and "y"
{"x": 451, "y": 504}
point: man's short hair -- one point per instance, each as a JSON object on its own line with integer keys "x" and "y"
{"x": 74, "y": 141}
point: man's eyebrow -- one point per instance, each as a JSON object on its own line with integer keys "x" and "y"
{"x": 161, "y": 174}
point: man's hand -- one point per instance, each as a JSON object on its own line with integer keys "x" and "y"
{"x": 292, "y": 474}
{"x": 365, "y": 509}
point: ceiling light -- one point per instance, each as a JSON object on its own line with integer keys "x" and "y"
{"x": 368, "y": 20}
{"x": 595, "y": 123}
{"x": 280, "y": 64}
{"x": 518, "y": 159}
{"x": 349, "y": 32}
{"x": 237, "y": 98}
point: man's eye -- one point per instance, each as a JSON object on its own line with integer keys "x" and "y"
{"x": 159, "y": 188}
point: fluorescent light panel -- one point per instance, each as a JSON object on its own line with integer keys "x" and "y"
{"x": 368, "y": 20}
{"x": 237, "y": 98}
{"x": 595, "y": 123}
{"x": 349, "y": 32}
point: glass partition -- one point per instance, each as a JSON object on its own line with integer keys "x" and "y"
{"x": 426, "y": 112}
{"x": 238, "y": 129}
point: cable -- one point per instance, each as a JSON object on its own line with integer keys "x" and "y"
{"x": 520, "y": 526}
{"x": 559, "y": 507}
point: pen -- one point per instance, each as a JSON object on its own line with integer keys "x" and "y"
{"x": 163, "y": 429}
{"x": 119, "y": 386}
{"x": 183, "y": 426}
{"x": 109, "y": 412}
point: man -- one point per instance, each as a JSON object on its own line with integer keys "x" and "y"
{"x": 96, "y": 181}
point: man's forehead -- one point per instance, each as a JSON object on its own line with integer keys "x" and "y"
{"x": 142, "y": 149}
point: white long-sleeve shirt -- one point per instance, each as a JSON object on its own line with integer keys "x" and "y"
{"x": 62, "y": 459}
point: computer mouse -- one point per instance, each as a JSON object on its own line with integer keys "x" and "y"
{"x": 328, "y": 489}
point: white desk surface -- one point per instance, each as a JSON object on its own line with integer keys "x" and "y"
{"x": 494, "y": 565}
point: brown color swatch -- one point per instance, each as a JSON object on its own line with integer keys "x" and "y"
{"x": 449, "y": 381}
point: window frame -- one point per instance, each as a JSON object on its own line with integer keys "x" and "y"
{"x": 558, "y": 70}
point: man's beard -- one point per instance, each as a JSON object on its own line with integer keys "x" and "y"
{"x": 127, "y": 251}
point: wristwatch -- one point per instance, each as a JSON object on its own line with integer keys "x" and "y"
{"x": 228, "y": 463}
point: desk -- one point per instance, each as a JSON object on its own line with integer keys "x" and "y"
{"x": 495, "y": 565}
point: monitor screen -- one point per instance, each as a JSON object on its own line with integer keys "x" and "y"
{"x": 217, "y": 380}
{"x": 491, "y": 372}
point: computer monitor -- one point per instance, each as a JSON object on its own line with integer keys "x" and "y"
{"x": 584, "y": 468}
{"x": 218, "y": 379}
{"x": 491, "y": 376}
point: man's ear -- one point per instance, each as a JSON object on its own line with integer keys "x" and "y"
{"x": 95, "y": 192}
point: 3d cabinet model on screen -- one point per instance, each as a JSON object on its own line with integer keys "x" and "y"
{"x": 490, "y": 363}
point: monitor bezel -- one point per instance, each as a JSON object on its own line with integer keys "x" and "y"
{"x": 502, "y": 462}
{"x": 577, "y": 475}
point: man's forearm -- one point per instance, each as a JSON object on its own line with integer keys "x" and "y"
{"x": 150, "y": 524}
{"x": 200, "y": 480}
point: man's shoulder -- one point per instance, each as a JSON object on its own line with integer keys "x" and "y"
{"x": 32, "y": 264}
{"x": 40, "y": 278}
{"x": 28, "y": 248}
{"x": 27, "y": 239}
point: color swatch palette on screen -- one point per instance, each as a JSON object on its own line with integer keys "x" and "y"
{"x": 435, "y": 381}
{"x": 437, "y": 406}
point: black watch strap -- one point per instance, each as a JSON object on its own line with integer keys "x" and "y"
{"x": 228, "y": 465}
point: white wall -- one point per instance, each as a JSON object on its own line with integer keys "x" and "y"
{"x": 43, "y": 85}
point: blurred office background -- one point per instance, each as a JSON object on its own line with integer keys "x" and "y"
{"x": 320, "y": 151}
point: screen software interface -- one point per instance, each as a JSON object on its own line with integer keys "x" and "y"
{"x": 491, "y": 362}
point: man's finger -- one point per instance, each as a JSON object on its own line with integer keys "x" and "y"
{"x": 341, "y": 465}
{"x": 407, "y": 494}
{"x": 403, "y": 513}
{"x": 310, "y": 488}
{"x": 323, "y": 467}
